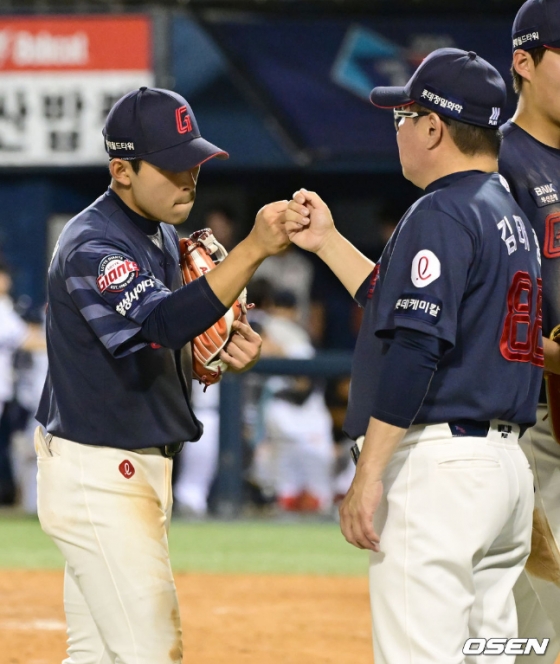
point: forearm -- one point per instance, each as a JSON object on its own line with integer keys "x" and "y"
{"x": 230, "y": 277}
{"x": 551, "y": 356}
{"x": 347, "y": 263}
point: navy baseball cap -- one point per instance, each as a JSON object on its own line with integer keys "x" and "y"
{"x": 455, "y": 83}
{"x": 537, "y": 24}
{"x": 159, "y": 127}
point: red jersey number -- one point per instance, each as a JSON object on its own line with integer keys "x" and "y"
{"x": 521, "y": 336}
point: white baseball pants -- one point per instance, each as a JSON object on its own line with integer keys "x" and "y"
{"x": 108, "y": 511}
{"x": 455, "y": 528}
{"x": 537, "y": 593}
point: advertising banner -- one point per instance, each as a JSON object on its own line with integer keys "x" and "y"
{"x": 59, "y": 76}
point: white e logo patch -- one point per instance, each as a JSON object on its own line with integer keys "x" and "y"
{"x": 425, "y": 268}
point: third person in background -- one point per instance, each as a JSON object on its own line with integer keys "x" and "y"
{"x": 530, "y": 161}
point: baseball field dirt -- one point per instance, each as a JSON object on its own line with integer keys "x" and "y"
{"x": 227, "y": 618}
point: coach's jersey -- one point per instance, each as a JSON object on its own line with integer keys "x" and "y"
{"x": 106, "y": 385}
{"x": 532, "y": 170}
{"x": 462, "y": 265}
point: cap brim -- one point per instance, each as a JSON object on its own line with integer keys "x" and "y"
{"x": 390, "y": 97}
{"x": 552, "y": 44}
{"x": 185, "y": 156}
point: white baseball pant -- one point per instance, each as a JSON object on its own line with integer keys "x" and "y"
{"x": 455, "y": 528}
{"x": 537, "y": 593}
{"x": 108, "y": 511}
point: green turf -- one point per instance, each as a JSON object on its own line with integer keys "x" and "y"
{"x": 258, "y": 547}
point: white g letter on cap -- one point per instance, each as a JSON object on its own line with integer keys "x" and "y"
{"x": 425, "y": 268}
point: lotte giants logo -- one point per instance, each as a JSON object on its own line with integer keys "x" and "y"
{"x": 426, "y": 268}
{"x": 183, "y": 119}
{"x": 127, "y": 469}
{"x": 115, "y": 273}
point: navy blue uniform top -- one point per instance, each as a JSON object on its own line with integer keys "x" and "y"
{"x": 107, "y": 384}
{"x": 463, "y": 266}
{"x": 532, "y": 170}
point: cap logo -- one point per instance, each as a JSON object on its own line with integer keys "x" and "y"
{"x": 521, "y": 38}
{"x": 442, "y": 102}
{"x": 184, "y": 124}
{"x": 494, "y": 116}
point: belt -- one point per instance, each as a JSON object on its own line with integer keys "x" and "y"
{"x": 458, "y": 428}
{"x": 167, "y": 451}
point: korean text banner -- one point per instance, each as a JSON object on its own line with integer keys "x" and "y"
{"x": 59, "y": 76}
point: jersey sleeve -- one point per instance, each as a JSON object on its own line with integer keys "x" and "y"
{"x": 426, "y": 276}
{"x": 114, "y": 293}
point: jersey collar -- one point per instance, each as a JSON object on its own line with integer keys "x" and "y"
{"x": 147, "y": 226}
{"x": 450, "y": 179}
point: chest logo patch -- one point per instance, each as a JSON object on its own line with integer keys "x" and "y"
{"x": 115, "y": 273}
{"x": 551, "y": 248}
{"x": 426, "y": 268}
{"x": 544, "y": 194}
{"x": 127, "y": 469}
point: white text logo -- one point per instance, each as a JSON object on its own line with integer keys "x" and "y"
{"x": 132, "y": 296}
{"x": 505, "y": 646}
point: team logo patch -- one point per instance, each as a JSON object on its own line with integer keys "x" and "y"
{"x": 551, "y": 248}
{"x": 426, "y": 268}
{"x": 373, "y": 282}
{"x": 183, "y": 119}
{"x": 423, "y": 307}
{"x": 504, "y": 183}
{"x": 545, "y": 194}
{"x": 115, "y": 273}
{"x": 126, "y": 469}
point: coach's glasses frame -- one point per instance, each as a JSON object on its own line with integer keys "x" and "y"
{"x": 400, "y": 114}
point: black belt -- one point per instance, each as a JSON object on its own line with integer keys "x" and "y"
{"x": 169, "y": 451}
{"x": 459, "y": 429}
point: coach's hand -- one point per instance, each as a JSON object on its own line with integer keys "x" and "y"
{"x": 269, "y": 232}
{"x": 357, "y": 510}
{"x": 243, "y": 350}
{"x": 308, "y": 221}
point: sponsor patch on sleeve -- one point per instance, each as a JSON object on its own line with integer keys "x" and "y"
{"x": 115, "y": 273}
{"x": 421, "y": 307}
{"x": 425, "y": 269}
{"x": 133, "y": 295}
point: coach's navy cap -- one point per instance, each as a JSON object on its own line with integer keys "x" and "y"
{"x": 453, "y": 83}
{"x": 537, "y": 24}
{"x": 159, "y": 127}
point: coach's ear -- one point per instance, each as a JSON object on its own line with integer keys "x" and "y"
{"x": 523, "y": 64}
{"x": 121, "y": 171}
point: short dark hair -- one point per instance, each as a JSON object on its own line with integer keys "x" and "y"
{"x": 470, "y": 139}
{"x": 537, "y": 54}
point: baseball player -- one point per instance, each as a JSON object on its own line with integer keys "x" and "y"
{"x": 116, "y": 401}
{"x": 530, "y": 161}
{"x": 446, "y": 373}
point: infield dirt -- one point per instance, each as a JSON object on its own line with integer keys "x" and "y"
{"x": 227, "y": 619}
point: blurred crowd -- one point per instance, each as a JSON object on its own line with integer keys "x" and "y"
{"x": 296, "y": 456}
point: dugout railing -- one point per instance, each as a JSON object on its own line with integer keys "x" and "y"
{"x": 229, "y": 481}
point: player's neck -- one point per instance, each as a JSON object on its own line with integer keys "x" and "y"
{"x": 539, "y": 125}
{"x": 458, "y": 163}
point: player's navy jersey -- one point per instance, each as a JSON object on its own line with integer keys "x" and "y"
{"x": 107, "y": 385}
{"x": 532, "y": 170}
{"x": 463, "y": 266}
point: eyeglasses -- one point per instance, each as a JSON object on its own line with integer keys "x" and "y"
{"x": 400, "y": 114}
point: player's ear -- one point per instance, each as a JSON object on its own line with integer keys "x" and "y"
{"x": 120, "y": 170}
{"x": 434, "y": 131}
{"x": 523, "y": 64}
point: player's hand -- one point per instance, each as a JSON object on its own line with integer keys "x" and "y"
{"x": 269, "y": 232}
{"x": 357, "y": 510}
{"x": 243, "y": 350}
{"x": 308, "y": 221}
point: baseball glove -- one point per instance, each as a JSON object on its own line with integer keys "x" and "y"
{"x": 553, "y": 393}
{"x": 200, "y": 253}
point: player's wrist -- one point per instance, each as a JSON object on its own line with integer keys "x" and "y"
{"x": 254, "y": 249}
{"x": 329, "y": 245}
